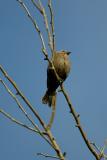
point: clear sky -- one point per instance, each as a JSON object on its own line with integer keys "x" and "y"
{"x": 80, "y": 27}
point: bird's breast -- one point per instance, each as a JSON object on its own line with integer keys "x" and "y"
{"x": 62, "y": 66}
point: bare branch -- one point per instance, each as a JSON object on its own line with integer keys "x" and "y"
{"x": 41, "y": 9}
{"x": 22, "y": 96}
{"x": 40, "y": 34}
{"x": 47, "y": 26}
{"x": 76, "y": 118}
{"x": 24, "y": 112}
{"x": 47, "y": 155}
{"x": 16, "y": 121}
{"x": 52, "y": 23}
{"x": 52, "y": 140}
{"x": 35, "y": 25}
{"x": 17, "y": 102}
{"x": 96, "y": 147}
{"x": 72, "y": 111}
{"x": 52, "y": 117}
{"x": 37, "y": 6}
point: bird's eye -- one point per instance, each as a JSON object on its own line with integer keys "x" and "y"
{"x": 68, "y": 52}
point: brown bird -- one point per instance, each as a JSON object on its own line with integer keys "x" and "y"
{"x": 62, "y": 66}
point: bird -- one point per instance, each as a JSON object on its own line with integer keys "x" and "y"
{"x": 62, "y": 67}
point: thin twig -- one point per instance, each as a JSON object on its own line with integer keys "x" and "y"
{"x": 103, "y": 149}
{"x": 22, "y": 96}
{"x": 37, "y": 6}
{"x": 54, "y": 144}
{"x": 17, "y": 102}
{"x": 51, "y": 35}
{"x": 96, "y": 147}
{"x": 16, "y": 121}
{"x": 41, "y": 8}
{"x": 40, "y": 35}
{"x": 52, "y": 117}
{"x": 24, "y": 112}
{"x": 47, "y": 26}
{"x": 52, "y": 24}
{"x": 35, "y": 25}
{"x": 47, "y": 155}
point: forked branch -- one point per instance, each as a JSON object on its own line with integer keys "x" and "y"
{"x": 76, "y": 117}
{"x": 51, "y": 38}
{"x": 39, "y": 6}
{"x": 49, "y": 137}
{"x": 7, "y": 115}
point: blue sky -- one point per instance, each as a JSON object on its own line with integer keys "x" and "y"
{"x": 81, "y": 27}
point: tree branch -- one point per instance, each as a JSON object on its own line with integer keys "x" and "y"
{"x": 47, "y": 26}
{"x": 47, "y": 155}
{"x": 52, "y": 23}
{"x": 35, "y": 26}
{"x": 52, "y": 140}
{"x": 24, "y": 112}
{"x": 37, "y": 6}
{"x": 76, "y": 118}
{"x": 7, "y": 115}
{"x": 22, "y": 96}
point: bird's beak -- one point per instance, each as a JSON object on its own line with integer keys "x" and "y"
{"x": 68, "y": 52}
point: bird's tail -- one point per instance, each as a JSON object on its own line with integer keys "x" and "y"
{"x": 49, "y": 99}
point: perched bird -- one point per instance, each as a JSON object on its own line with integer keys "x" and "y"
{"x": 62, "y": 66}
